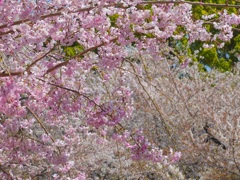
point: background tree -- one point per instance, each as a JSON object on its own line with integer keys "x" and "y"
{"x": 213, "y": 53}
{"x": 201, "y": 113}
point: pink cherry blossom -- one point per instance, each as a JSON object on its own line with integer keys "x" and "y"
{"x": 74, "y": 73}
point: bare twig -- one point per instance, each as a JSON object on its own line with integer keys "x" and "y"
{"x": 41, "y": 124}
{"x": 155, "y": 105}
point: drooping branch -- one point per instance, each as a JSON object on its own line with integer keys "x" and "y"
{"x": 119, "y": 5}
{"x": 40, "y": 58}
{"x": 4, "y": 74}
{"x": 43, "y": 17}
{"x": 77, "y": 56}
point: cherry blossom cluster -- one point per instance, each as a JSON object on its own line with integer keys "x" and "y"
{"x": 64, "y": 67}
{"x": 142, "y": 149}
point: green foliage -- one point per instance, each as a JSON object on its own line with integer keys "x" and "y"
{"x": 149, "y": 7}
{"x": 237, "y": 43}
{"x": 113, "y": 19}
{"x": 140, "y": 35}
{"x": 198, "y": 12}
{"x": 224, "y": 65}
{"x": 201, "y": 67}
{"x": 73, "y": 50}
{"x": 222, "y": 59}
{"x": 210, "y": 56}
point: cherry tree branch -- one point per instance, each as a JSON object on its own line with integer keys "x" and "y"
{"x": 77, "y": 56}
{"x": 119, "y": 5}
{"x": 4, "y": 74}
{"x": 42, "y": 17}
{"x": 72, "y": 90}
{"x": 40, "y": 58}
{"x": 189, "y": 2}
